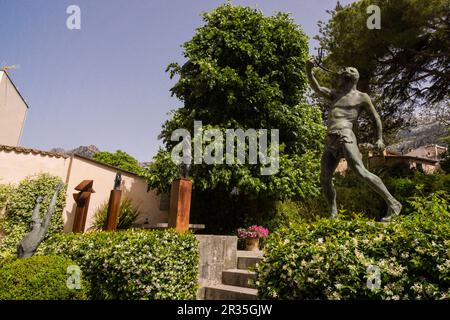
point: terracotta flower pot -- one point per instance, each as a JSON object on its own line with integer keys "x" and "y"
{"x": 252, "y": 244}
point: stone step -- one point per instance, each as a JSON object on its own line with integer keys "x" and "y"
{"x": 238, "y": 277}
{"x": 227, "y": 292}
{"x": 247, "y": 259}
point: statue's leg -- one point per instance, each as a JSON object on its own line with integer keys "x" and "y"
{"x": 354, "y": 160}
{"x": 328, "y": 165}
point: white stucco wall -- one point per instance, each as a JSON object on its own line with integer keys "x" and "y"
{"x": 16, "y": 166}
{"x": 133, "y": 187}
{"x": 12, "y": 112}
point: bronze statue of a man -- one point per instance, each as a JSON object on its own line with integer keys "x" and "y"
{"x": 346, "y": 103}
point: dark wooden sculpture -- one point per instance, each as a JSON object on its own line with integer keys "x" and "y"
{"x": 114, "y": 204}
{"x": 82, "y": 200}
{"x": 180, "y": 204}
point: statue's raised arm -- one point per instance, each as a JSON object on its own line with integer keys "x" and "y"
{"x": 35, "y": 214}
{"x": 321, "y": 91}
{"x": 50, "y": 211}
{"x": 28, "y": 245}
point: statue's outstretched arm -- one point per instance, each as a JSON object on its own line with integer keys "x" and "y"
{"x": 321, "y": 91}
{"x": 50, "y": 210}
{"x": 35, "y": 214}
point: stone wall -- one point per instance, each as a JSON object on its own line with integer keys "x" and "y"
{"x": 217, "y": 253}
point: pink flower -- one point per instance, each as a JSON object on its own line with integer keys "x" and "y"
{"x": 252, "y": 232}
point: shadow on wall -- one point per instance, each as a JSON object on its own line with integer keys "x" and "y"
{"x": 69, "y": 214}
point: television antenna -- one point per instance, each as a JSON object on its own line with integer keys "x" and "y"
{"x": 4, "y": 67}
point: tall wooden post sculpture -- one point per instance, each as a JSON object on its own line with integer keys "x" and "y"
{"x": 114, "y": 204}
{"x": 180, "y": 201}
{"x": 82, "y": 200}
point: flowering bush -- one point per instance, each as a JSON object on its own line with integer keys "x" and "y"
{"x": 133, "y": 264}
{"x": 362, "y": 259}
{"x": 252, "y": 232}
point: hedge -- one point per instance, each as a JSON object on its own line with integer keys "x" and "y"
{"x": 417, "y": 185}
{"x": 39, "y": 278}
{"x": 133, "y": 264}
{"x": 337, "y": 259}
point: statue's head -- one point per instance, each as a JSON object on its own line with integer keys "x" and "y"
{"x": 348, "y": 75}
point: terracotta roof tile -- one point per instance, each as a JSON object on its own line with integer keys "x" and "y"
{"x": 32, "y": 151}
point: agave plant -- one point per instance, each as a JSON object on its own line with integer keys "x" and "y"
{"x": 126, "y": 216}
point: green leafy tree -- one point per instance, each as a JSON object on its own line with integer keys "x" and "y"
{"x": 404, "y": 64}
{"x": 246, "y": 70}
{"x": 121, "y": 160}
{"x": 161, "y": 172}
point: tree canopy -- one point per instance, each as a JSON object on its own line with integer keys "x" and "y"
{"x": 121, "y": 160}
{"x": 161, "y": 172}
{"x": 404, "y": 64}
{"x": 245, "y": 70}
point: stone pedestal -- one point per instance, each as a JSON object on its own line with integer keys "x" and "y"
{"x": 113, "y": 210}
{"x": 180, "y": 204}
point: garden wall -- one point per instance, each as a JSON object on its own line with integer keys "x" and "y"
{"x": 17, "y": 163}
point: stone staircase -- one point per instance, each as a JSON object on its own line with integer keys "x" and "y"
{"x": 236, "y": 282}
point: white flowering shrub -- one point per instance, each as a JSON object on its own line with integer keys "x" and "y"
{"x": 334, "y": 259}
{"x": 133, "y": 264}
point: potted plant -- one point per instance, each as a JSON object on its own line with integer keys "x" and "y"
{"x": 252, "y": 235}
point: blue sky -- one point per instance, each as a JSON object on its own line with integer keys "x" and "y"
{"x": 106, "y": 83}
